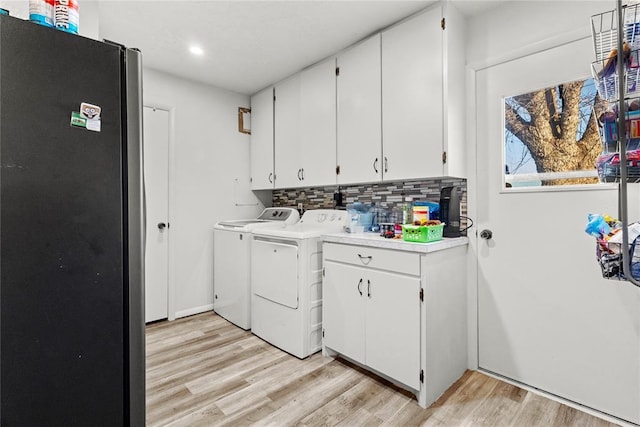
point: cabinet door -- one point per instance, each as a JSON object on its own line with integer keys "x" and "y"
{"x": 287, "y": 133}
{"x": 359, "y": 116}
{"x": 392, "y": 323}
{"x": 412, "y": 98}
{"x": 343, "y": 309}
{"x": 318, "y": 124}
{"x": 262, "y": 140}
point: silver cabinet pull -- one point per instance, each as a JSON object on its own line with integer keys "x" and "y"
{"x": 386, "y": 164}
{"x": 359, "y": 285}
{"x": 270, "y": 178}
{"x": 365, "y": 259}
{"x": 369, "y": 288}
{"x": 375, "y": 165}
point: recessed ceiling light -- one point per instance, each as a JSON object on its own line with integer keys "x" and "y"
{"x": 196, "y": 50}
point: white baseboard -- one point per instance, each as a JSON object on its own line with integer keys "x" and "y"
{"x": 194, "y": 310}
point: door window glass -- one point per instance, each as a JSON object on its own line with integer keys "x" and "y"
{"x": 552, "y": 136}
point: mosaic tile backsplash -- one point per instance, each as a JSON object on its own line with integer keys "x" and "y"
{"x": 389, "y": 195}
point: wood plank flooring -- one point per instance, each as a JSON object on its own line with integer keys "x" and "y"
{"x": 204, "y": 371}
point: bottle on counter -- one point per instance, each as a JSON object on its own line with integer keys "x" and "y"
{"x": 407, "y": 210}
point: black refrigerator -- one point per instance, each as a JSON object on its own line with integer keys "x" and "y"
{"x": 71, "y": 230}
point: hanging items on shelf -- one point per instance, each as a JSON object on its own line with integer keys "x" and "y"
{"x": 605, "y": 73}
{"x": 608, "y": 234}
{"x": 616, "y": 71}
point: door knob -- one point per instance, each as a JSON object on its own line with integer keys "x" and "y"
{"x": 162, "y": 225}
{"x": 486, "y": 234}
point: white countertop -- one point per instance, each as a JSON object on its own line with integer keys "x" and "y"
{"x": 375, "y": 240}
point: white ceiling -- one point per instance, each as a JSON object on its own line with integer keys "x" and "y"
{"x": 248, "y": 44}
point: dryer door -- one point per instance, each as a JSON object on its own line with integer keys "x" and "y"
{"x": 275, "y": 270}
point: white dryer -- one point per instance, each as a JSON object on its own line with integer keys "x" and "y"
{"x": 286, "y": 281}
{"x": 232, "y": 262}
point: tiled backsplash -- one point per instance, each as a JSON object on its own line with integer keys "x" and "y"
{"x": 388, "y": 195}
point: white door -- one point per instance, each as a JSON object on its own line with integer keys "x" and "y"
{"x": 156, "y": 178}
{"x": 412, "y": 134}
{"x": 359, "y": 146}
{"x": 343, "y": 309}
{"x": 318, "y": 124}
{"x": 286, "y": 124}
{"x": 274, "y": 269}
{"x": 262, "y": 140}
{"x": 546, "y": 318}
{"x": 392, "y": 324}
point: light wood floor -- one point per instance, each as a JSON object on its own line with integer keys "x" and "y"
{"x": 204, "y": 371}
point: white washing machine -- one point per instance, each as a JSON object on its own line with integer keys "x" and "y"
{"x": 232, "y": 262}
{"x": 286, "y": 281}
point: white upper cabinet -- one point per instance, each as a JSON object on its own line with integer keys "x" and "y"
{"x": 412, "y": 96}
{"x": 305, "y": 128}
{"x": 423, "y": 111}
{"x": 454, "y": 105}
{"x": 359, "y": 147}
{"x": 390, "y": 108}
{"x": 262, "y": 174}
{"x": 287, "y": 133}
{"x": 318, "y": 124}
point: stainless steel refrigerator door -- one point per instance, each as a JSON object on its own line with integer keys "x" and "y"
{"x": 70, "y": 244}
{"x": 135, "y": 198}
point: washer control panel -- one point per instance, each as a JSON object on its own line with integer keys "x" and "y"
{"x": 288, "y": 215}
{"x": 328, "y": 217}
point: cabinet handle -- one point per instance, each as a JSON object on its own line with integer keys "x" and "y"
{"x": 299, "y": 179}
{"x": 386, "y": 164}
{"x": 365, "y": 259}
{"x": 270, "y": 178}
{"x": 369, "y": 288}
{"x": 302, "y": 170}
{"x": 359, "y": 285}
{"x": 375, "y": 165}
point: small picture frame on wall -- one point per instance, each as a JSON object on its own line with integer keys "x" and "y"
{"x": 244, "y": 120}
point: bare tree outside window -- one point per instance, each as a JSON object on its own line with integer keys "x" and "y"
{"x": 552, "y": 136}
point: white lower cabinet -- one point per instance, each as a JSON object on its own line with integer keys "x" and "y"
{"x": 392, "y": 330}
{"x": 343, "y": 310}
{"x": 373, "y": 317}
{"x": 397, "y": 314}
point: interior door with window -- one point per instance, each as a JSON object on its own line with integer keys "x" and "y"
{"x": 546, "y": 317}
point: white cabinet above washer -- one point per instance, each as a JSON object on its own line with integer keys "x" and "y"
{"x": 262, "y": 174}
{"x": 305, "y": 128}
{"x": 318, "y": 124}
{"x": 359, "y": 152}
{"x": 286, "y": 113}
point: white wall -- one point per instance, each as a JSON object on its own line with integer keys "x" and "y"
{"x": 518, "y": 26}
{"x": 210, "y": 175}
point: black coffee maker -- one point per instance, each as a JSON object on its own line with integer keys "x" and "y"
{"x": 450, "y": 211}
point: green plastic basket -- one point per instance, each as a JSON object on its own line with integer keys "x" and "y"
{"x": 422, "y": 233}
